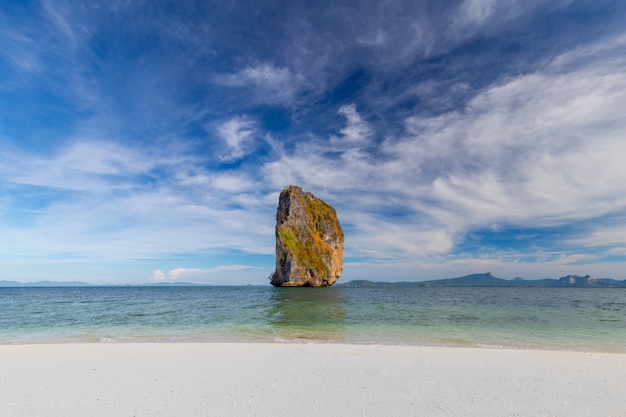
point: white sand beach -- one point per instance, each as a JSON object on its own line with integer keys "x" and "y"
{"x": 250, "y": 379}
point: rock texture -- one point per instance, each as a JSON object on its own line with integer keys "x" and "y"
{"x": 577, "y": 281}
{"x": 309, "y": 241}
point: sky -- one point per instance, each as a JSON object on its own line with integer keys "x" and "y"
{"x": 148, "y": 141}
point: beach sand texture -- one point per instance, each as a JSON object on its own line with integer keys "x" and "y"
{"x": 252, "y": 379}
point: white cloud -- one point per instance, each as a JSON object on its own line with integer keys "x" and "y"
{"x": 179, "y": 274}
{"x": 607, "y": 51}
{"x": 233, "y": 182}
{"x": 604, "y": 235}
{"x": 477, "y": 11}
{"x": 540, "y": 149}
{"x": 105, "y": 201}
{"x": 272, "y": 84}
{"x": 81, "y": 166}
{"x": 238, "y": 134}
{"x": 158, "y": 276}
{"x": 386, "y": 239}
{"x": 476, "y": 15}
{"x": 220, "y": 275}
{"x": 537, "y": 150}
{"x": 356, "y": 130}
{"x": 264, "y": 75}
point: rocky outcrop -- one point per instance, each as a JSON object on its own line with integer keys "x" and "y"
{"x": 309, "y": 241}
{"x": 577, "y": 281}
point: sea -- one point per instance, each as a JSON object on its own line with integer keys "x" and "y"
{"x": 578, "y": 319}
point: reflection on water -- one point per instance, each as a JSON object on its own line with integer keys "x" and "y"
{"x": 308, "y": 313}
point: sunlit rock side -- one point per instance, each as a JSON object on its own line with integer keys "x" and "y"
{"x": 577, "y": 281}
{"x": 309, "y": 241}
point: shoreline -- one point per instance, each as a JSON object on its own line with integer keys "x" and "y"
{"x": 139, "y": 340}
{"x": 268, "y": 379}
{"x": 554, "y": 349}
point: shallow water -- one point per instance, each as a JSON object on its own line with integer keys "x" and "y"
{"x": 544, "y": 318}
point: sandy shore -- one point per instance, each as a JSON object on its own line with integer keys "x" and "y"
{"x": 305, "y": 380}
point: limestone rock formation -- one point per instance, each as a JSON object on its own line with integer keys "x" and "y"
{"x": 577, "y": 281}
{"x": 309, "y": 241}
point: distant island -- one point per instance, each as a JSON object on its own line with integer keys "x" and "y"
{"x": 488, "y": 280}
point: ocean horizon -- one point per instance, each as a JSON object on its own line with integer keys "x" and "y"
{"x": 527, "y": 318}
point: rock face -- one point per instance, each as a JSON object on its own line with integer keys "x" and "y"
{"x": 577, "y": 281}
{"x": 309, "y": 241}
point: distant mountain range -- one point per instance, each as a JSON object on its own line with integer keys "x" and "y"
{"x": 488, "y": 280}
{"x": 474, "y": 280}
{"x": 45, "y": 284}
{"x": 86, "y": 284}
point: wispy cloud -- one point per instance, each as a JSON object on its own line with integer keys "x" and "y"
{"x": 269, "y": 83}
{"x": 109, "y": 201}
{"x": 356, "y": 130}
{"x": 238, "y": 134}
{"x": 539, "y": 150}
{"x": 487, "y": 15}
{"x": 92, "y": 166}
{"x": 435, "y": 128}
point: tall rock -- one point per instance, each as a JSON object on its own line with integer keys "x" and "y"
{"x": 309, "y": 241}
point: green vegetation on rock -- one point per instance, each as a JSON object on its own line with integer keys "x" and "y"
{"x": 309, "y": 241}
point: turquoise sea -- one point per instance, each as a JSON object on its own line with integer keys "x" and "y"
{"x": 543, "y": 318}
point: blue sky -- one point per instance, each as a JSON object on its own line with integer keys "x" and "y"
{"x": 149, "y": 140}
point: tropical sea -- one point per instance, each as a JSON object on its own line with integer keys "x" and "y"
{"x": 528, "y": 318}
